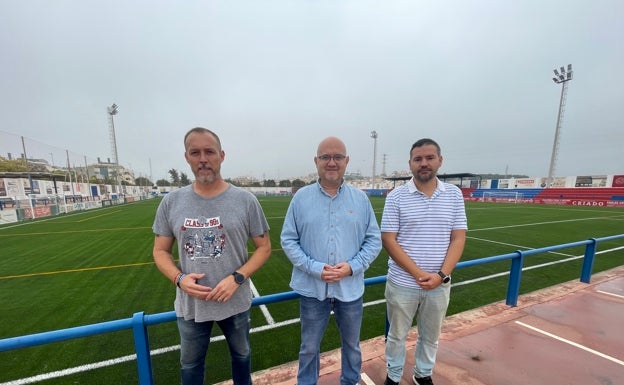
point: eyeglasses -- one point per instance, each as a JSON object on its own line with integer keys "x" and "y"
{"x": 337, "y": 158}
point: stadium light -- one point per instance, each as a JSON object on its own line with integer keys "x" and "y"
{"x": 561, "y": 77}
{"x": 112, "y": 111}
{"x": 374, "y": 136}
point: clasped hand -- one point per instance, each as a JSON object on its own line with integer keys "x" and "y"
{"x": 222, "y": 292}
{"x": 336, "y": 272}
{"x": 429, "y": 281}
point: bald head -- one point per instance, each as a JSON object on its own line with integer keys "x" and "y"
{"x": 331, "y": 145}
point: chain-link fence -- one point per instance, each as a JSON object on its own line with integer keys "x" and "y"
{"x": 30, "y": 155}
{"x": 39, "y": 180}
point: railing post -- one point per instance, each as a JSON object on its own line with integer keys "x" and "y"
{"x": 141, "y": 345}
{"x": 515, "y": 273}
{"x": 588, "y": 260}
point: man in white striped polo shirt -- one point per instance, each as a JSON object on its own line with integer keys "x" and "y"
{"x": 423, "y": 229}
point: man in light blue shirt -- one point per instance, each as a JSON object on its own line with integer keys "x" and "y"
{"x": 331, "y": 236}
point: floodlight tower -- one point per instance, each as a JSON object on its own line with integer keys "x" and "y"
{"x": 560, "y": 78}
{"x": 112, "y": 111}
{"x": 374, "y": 136}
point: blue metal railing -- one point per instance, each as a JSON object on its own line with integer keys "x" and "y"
{"x": 140, "y": 321}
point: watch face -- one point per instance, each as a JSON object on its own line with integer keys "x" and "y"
{"x": 238, "y": 277}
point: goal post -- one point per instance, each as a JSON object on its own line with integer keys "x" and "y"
{"x": 502, "y": 196}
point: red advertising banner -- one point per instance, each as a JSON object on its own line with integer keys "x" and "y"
{"x": 40, "y": 211}
{"x": 618, "y": 180}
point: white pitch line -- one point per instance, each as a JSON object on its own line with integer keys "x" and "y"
{"x": 535, "y": 224}
{"x": 504, "y": 273}
{"x": 583, "y": 347}
{"x": 265, "y": 310}
{"x": 366, "y": 379}
{"x": 513, "y": 245}
{"x": 614, "y": 249}
{"x": 611, "y": 294}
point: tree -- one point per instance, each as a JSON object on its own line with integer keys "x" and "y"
{"x": 175, "y": 178}
{"x": 13, "y": 165}
{"x": 184, "y": 180}
{"x": 163, "y": 182}
{"x": 142, "y": 181}
{"x": 233, "y": 182}
{"x": 298, "y": 183}
{"x": 285, "y": 183}
{"x": 269, "y": 183}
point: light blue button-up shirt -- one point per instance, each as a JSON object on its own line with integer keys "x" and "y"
{"x": 320, "y": 229}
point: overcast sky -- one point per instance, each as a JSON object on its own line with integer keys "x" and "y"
{"x": 273, "y": 78}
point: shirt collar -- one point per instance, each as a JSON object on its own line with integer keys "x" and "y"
{"x": 318, "y": 182}
{"x": 411, "y": 186}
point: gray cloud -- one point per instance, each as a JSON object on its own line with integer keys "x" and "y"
{"x": 275, "y": 77}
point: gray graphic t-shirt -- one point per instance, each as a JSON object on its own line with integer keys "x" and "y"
{"x": 212, "y": 236}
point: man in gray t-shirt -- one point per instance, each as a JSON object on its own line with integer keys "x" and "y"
{"x": 211, "y": 221}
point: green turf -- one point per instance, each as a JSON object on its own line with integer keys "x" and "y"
{"x": 96, "y": 266}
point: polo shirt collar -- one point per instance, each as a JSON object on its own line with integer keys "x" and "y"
{"x": 411, "y": 186}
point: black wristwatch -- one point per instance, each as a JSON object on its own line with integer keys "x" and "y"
{"x": 445, "y": 278}
{"x": 238, "y": 277}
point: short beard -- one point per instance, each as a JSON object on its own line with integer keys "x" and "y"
{"x": 206, "y": 179}
{"x": 424, "y": 177}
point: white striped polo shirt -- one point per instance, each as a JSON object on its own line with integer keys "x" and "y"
{"x": 423, "y": 226}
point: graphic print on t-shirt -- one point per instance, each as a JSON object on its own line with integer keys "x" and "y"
{"x": 204, "y": 239}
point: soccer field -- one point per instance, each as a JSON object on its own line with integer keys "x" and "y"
{"x": 96, "y": 266}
